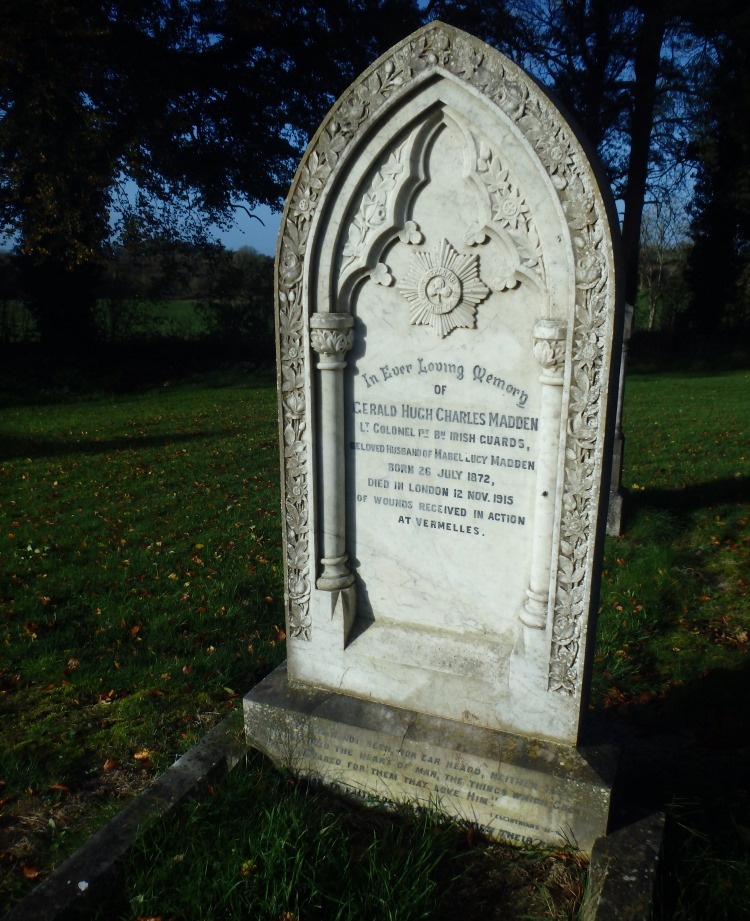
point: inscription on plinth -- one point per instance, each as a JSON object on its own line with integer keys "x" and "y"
{"x": 526, "y": 792}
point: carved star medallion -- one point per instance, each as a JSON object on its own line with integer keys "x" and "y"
{"x": 443, "y": 288}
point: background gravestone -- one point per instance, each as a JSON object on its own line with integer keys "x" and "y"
{"x": 448, "y": 321}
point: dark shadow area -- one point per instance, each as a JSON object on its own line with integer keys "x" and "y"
{"x": 691, "y": 745}
{"x": 688, "y": 754}
{"x": 658, "y": 352}
{"x": 690, "y": 498}
{"x": 30, "y": 375}
{"x": 14, "y": 448}
{"x": 685, "y": 745}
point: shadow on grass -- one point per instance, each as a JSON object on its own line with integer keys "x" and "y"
{"x": 30, "y": 375}
{"x": 14, "y": 448}
{"x": 692, "y": 743}
{"x": 691, "y": 498}
{"x": 688, "y": 753}
{"x": 684, "y": 721}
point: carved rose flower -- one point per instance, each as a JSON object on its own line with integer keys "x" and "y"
{"x": 352, "y": 112}
{"x": 291, "y": 266}
{"x": 511, "y": 98}
{"x": 295, "y": 404}
{"x": 579, "y": 213}
{"x": 589, "y": 266}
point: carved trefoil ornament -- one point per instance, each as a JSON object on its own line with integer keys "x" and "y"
{"x": 443, "y": 289}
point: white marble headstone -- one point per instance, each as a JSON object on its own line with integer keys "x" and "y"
{"x": 447, "y": 308}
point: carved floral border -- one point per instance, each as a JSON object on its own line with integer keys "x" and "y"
{"x": 438, "y": 46}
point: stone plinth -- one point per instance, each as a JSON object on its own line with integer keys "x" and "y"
{"x": 519, "y": 790}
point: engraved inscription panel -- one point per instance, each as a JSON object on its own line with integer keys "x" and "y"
{"x": 441, "y": 450}
{"x": 505, "y": 800}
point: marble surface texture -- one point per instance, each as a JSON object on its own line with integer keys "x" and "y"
{"x": 448, "y": 313}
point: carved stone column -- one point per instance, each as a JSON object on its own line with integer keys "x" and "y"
{"x": 549, "y": 351}
{"x": 331, "y": 336}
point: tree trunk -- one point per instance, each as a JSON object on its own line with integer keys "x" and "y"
{"x": 63, "y": 303}
{"x": 647, "y": 61}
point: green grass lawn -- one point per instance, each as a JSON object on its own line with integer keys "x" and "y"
{"x": 674, "y": 591}
{"x": 672, "y": 664}
{"x": 140, "y": 595}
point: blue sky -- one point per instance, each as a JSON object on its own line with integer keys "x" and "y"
{"x": 248, "y": 232}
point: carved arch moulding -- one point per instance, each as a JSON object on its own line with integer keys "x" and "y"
{"x": 358, "y": 182}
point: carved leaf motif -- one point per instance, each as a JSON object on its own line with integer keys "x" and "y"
{"x": 297, "y": 554}
{"x": 290, "y": 436}
{"x": 331, "y": 145}
{"x": 381, "y": 275}
{"x": 510, "y": 211}
{"x": 566, "y": 568}
{"x": 411, "y": 233}
{"x": 290, "y": 321}
{"x": 296, "y": 517}
{"x": 290, "y": 378}
{"x": 373, "y": 208}
{"x": 531, "y": 126}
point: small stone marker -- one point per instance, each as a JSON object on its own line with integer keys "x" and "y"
{"x": 448, "y": 323}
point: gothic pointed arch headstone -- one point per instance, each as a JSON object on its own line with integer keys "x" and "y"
{"x": 448, "y": 318}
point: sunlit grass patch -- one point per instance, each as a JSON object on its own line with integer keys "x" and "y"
{"x": 673, "y": 602}
{"x": 141, "y": 582}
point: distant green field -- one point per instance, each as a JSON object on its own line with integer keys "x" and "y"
{"x": 116, "y": 320}
{"x": 179, "y": 319}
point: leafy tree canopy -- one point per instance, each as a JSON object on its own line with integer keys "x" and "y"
{"x": 204, "y": 104}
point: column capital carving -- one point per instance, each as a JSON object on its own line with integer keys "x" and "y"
{"x": 331, "y": 336}
{"x": 549, "y": 348}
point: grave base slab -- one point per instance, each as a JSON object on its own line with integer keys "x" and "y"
{"x": 512, "y": 788}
